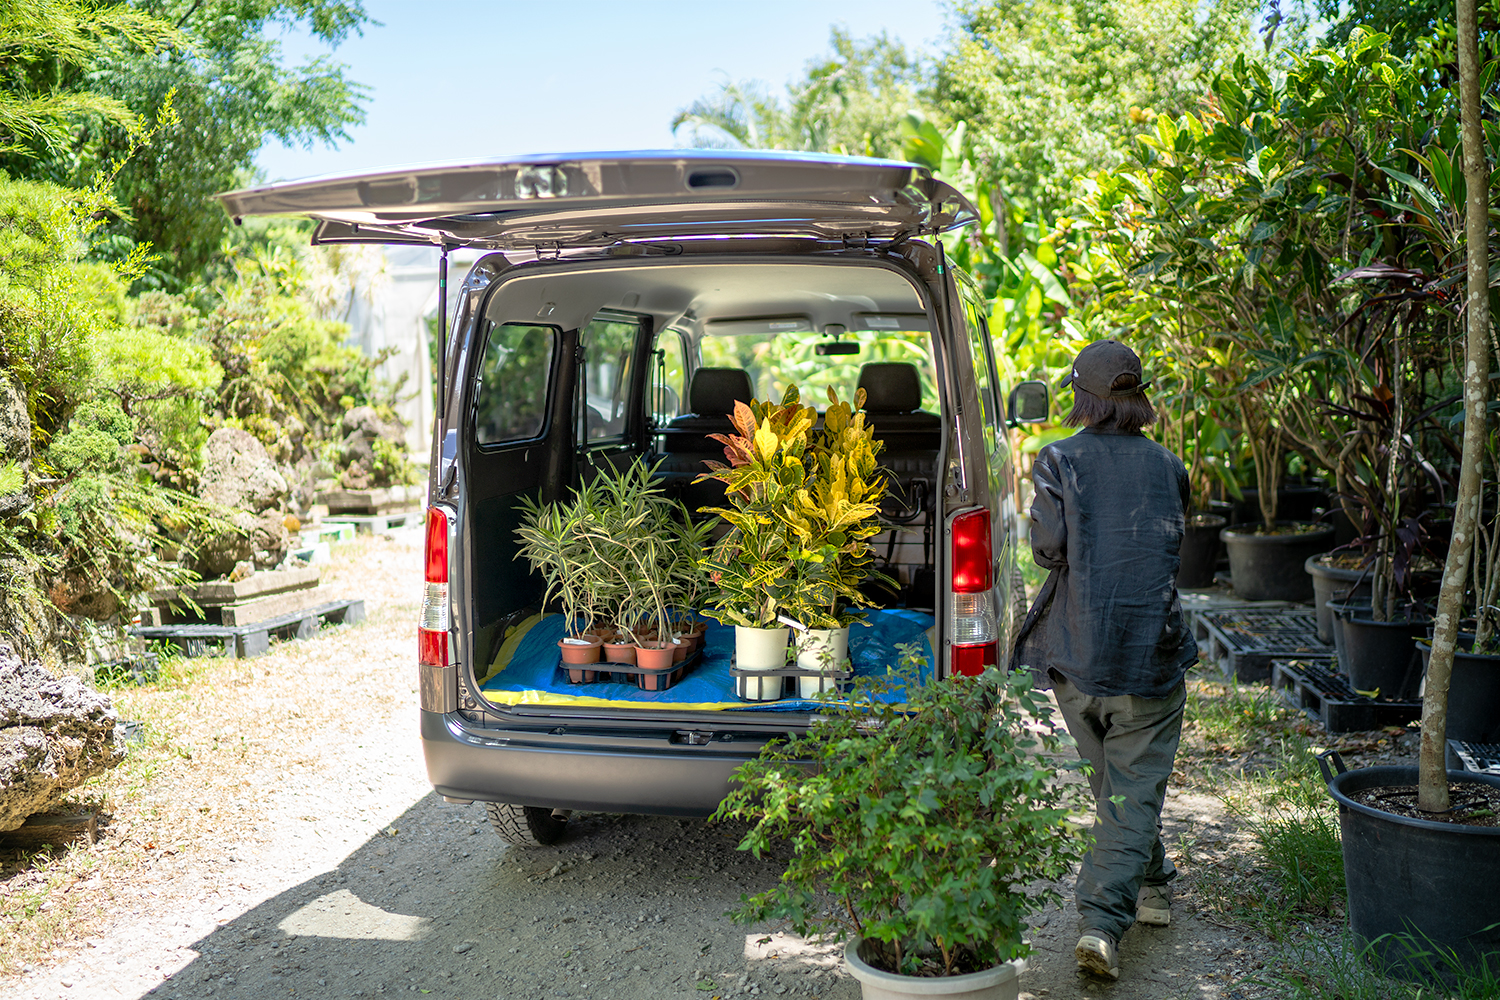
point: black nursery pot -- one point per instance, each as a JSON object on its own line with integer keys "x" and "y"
{"x": 1200, "y": 551}
{"x": 1473, "y": 692}
{"x": 1382, "y": 655}
{"x": 1271, "y": 567}
{"x": 1340, "y": 612}
{"x": 1418, "y": 877}
{"x": 1332, "y": 583}
{"x": 1294, "y": 503}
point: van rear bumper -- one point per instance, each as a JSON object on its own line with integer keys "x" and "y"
{"x": 644, "y": 770}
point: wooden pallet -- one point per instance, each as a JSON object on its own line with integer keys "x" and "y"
{"x": 242, "y": 641}
{"x": 1242, "y": 642}
{"x": 370, "y": 524}
{"x": 1328, "y": 699}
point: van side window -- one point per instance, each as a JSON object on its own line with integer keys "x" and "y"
{"x": 984, "y": 374}
{"x": 668, "y": 378}
{"x": 511, "y": 399}
{"x": 608, "y": 346}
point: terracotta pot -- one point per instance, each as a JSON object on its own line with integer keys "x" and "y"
{"x": 654, "y": 655}
{"x": 580, "y": 649}
{"x": 681, "y": 648}
{"x": 622, "y": 651}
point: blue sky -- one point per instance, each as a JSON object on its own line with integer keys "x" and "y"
{"x": 458, "y": 78}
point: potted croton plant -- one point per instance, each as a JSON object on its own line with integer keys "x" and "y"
{"x": 961, "y": 811}
{"x": 802, "y": 506}
{"x": 833, "y": 522}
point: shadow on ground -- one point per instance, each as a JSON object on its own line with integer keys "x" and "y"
{"x": 437, "y": 906}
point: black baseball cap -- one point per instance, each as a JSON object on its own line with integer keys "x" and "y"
{"x": 1099, "y": 364}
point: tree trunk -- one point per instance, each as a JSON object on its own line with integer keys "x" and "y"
{"x": 1432, "y": 793}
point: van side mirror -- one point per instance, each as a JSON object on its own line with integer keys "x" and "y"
{"x": 1029, "y": 403}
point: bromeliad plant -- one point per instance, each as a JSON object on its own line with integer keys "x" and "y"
{"x": 803, "y": 506}
{"x": 959, "y": 810}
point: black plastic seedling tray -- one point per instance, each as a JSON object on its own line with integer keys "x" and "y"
{"x": 1482, "y": 758}
{"x": 1243, "y": 642}
{"x": 646, "y": 678}
{"x": 1328, "y": 699}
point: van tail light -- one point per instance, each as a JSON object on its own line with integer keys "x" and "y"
{"x": 432, "y": 627}
{"x": 973, "y": 628}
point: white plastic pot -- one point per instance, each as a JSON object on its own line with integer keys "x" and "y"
{"x": 820, "y": 649}
{"x": 760, "y": 649}
{"x": 999, "y": 983}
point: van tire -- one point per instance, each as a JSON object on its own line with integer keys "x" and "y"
{"x": 525, "y": 826}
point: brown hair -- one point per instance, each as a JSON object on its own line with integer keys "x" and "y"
{"x": 1123, "y": 413}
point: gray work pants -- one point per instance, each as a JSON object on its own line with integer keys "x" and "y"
{"x": 1131, "y": 742}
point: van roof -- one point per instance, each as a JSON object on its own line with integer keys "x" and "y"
{"x": 580, "y": 199}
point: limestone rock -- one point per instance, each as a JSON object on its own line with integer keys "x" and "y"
{"x": 217, "y": 556}
{"x": 55, "y": 734}
{"x": 15, "y": 424}
{"x": 269, "y": 540}
{"x": 238, "y": 472}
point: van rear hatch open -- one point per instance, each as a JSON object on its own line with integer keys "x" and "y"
{"x": 518, "y": 203}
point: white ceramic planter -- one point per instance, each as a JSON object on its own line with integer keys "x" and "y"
{"x": 760, "y": 649}
{"x": 820, "y": 649}
{"x": 999, "y": 983}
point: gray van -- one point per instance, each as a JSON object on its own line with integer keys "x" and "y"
{"x": 627, "y": 301}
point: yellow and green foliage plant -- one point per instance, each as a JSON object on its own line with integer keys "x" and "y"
{"x": 803, "y": 504}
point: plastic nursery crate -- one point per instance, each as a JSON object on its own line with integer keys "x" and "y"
{"x": 1482, "y": 758}
{"x": 1244, "y": 641}
{"x": 646, "y": 678}
{"x": 839, "y": 678}
{"x": 1327, "y": 698}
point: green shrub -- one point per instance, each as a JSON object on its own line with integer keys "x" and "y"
{"x": 921, "y": 826}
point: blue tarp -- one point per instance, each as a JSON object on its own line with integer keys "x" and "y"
{"x": 527, "y": 669}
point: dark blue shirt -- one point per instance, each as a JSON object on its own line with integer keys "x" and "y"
{"x": 1107, "y": 521}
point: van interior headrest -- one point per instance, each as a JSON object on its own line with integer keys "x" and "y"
{"x": 891, "y": 387}
{"x": 714, "y": 390}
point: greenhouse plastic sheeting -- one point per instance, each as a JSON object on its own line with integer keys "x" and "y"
{"x": 528, "y": 668}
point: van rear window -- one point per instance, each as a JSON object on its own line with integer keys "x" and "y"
{"x": 511, "y": 401}
{"x": 776, "y": 361}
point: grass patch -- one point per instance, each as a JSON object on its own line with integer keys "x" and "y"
{"x": 1246, "y": 748}
{"x": 1317, "y": 969}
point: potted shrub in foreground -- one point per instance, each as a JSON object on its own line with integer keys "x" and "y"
{"x": 916, "y": 830}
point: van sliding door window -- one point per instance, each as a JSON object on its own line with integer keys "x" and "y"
{"x": 511, "y": 398}
{"x": 608, "y": 347}
{"x": 669, "y": 381}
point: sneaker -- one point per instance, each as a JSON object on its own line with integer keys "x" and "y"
{"x": 1153, "y": 906}
{"x": 1096, "y": 955}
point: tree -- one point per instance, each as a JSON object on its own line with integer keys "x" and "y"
{"x": 851, "y": 102}
{"x": 1055, "y": 89}
{"x": 1432, "y": 782}
{"x": 44, "y": 41}
{"x": 232, "y": 94}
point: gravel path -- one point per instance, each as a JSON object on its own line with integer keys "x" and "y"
{"x": 298, "y": 850}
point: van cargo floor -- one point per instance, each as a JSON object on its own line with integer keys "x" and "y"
{"x": 527, "y": 669}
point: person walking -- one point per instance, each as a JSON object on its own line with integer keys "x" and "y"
{"x": 1106, "y": 634}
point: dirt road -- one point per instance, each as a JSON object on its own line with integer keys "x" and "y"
{"x": 297, "y": 850}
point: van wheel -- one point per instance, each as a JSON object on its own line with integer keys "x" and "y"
{"x": 525, "y": 826}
